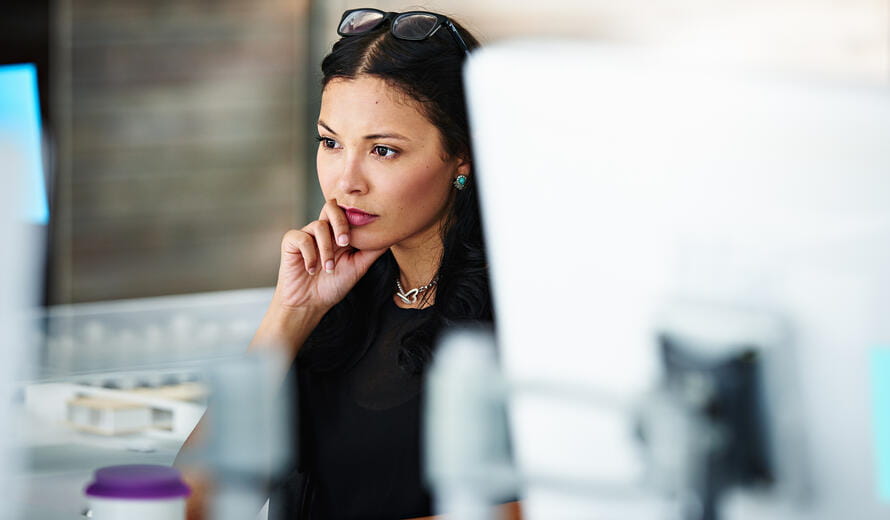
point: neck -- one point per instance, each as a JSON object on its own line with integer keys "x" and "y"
{"x": 419, "y": 261}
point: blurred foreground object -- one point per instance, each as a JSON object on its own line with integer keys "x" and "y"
{"x": 466, "y": 438}
{"x": 249, "y": 437}
{"x": 660, "y": 185}
{"x": 23, "y": 211}
{"x": 137, "y": 492}
{"x": 715, "y": 423}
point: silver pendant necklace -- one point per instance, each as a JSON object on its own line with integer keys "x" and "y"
{"x": 410, "y": 297}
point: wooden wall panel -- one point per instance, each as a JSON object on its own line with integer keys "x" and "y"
{"x": 182, "y": 157}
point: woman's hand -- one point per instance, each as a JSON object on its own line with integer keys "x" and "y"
{"x": 318, "y": 267}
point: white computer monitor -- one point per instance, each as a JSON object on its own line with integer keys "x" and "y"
{"x": 21, "y": 138}
{"x": 615, "y": 183}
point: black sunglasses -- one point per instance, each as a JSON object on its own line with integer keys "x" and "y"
{"x": 414, "y": 25}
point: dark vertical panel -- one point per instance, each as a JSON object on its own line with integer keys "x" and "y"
{"x": 24, "y": 38}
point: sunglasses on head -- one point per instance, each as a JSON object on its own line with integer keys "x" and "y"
{"x": 413, "y": 26}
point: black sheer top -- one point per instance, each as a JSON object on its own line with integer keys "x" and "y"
{"x": 361, "y": 451}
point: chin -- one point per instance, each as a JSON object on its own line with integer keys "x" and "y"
{"x": 360, "y": 240}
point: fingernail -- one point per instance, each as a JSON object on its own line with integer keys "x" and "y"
{"x": 312, "y": 271}
{"x": 329, "y": 266}
{"x": 342, "y": 240}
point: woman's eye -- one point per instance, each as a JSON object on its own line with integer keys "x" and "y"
{"x": 327, "y": 142}
{"x": 384, "y": 151}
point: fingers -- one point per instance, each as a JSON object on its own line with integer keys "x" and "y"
{"x": 332, "y": 213}
{"x": 315, "y": 243}
{"x": 320, "y": 230}
{"x": 319, "y": 242}
{"x": 302, "y": 243}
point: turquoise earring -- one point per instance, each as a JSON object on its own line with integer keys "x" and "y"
{"x": 460, "y": 182}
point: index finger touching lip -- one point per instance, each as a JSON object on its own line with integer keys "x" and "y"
{"x": 339, "y": 224}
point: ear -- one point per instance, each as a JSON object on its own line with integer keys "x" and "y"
{"x": 464, "y": 167}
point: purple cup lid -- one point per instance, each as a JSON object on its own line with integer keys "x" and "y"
{"x": 137, "y": 481}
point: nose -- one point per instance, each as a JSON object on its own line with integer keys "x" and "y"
{"x": 352, "y": 179}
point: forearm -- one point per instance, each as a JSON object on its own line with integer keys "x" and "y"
{"x": 508, "y": 511}
{"x": 285, "y": 330}
{"x": 198, "y": 481}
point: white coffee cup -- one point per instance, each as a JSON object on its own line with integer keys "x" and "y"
{"x": 137, "y": 492}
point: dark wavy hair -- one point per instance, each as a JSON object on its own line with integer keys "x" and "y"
{"x": 430, "y": 73}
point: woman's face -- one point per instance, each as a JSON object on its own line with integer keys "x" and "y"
{"x": 383, "y": 162}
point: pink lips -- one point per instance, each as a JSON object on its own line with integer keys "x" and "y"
{"x": 357, "y": 217}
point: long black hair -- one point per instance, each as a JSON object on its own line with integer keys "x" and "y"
{"x": 430, "y": 73}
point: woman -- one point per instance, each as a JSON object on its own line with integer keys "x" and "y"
{"x": 396, "y": 255}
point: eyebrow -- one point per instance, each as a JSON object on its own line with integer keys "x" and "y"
{"x": 387, "y": 135}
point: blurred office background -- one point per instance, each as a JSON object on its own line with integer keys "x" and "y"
{"x": 181, "y": 132}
